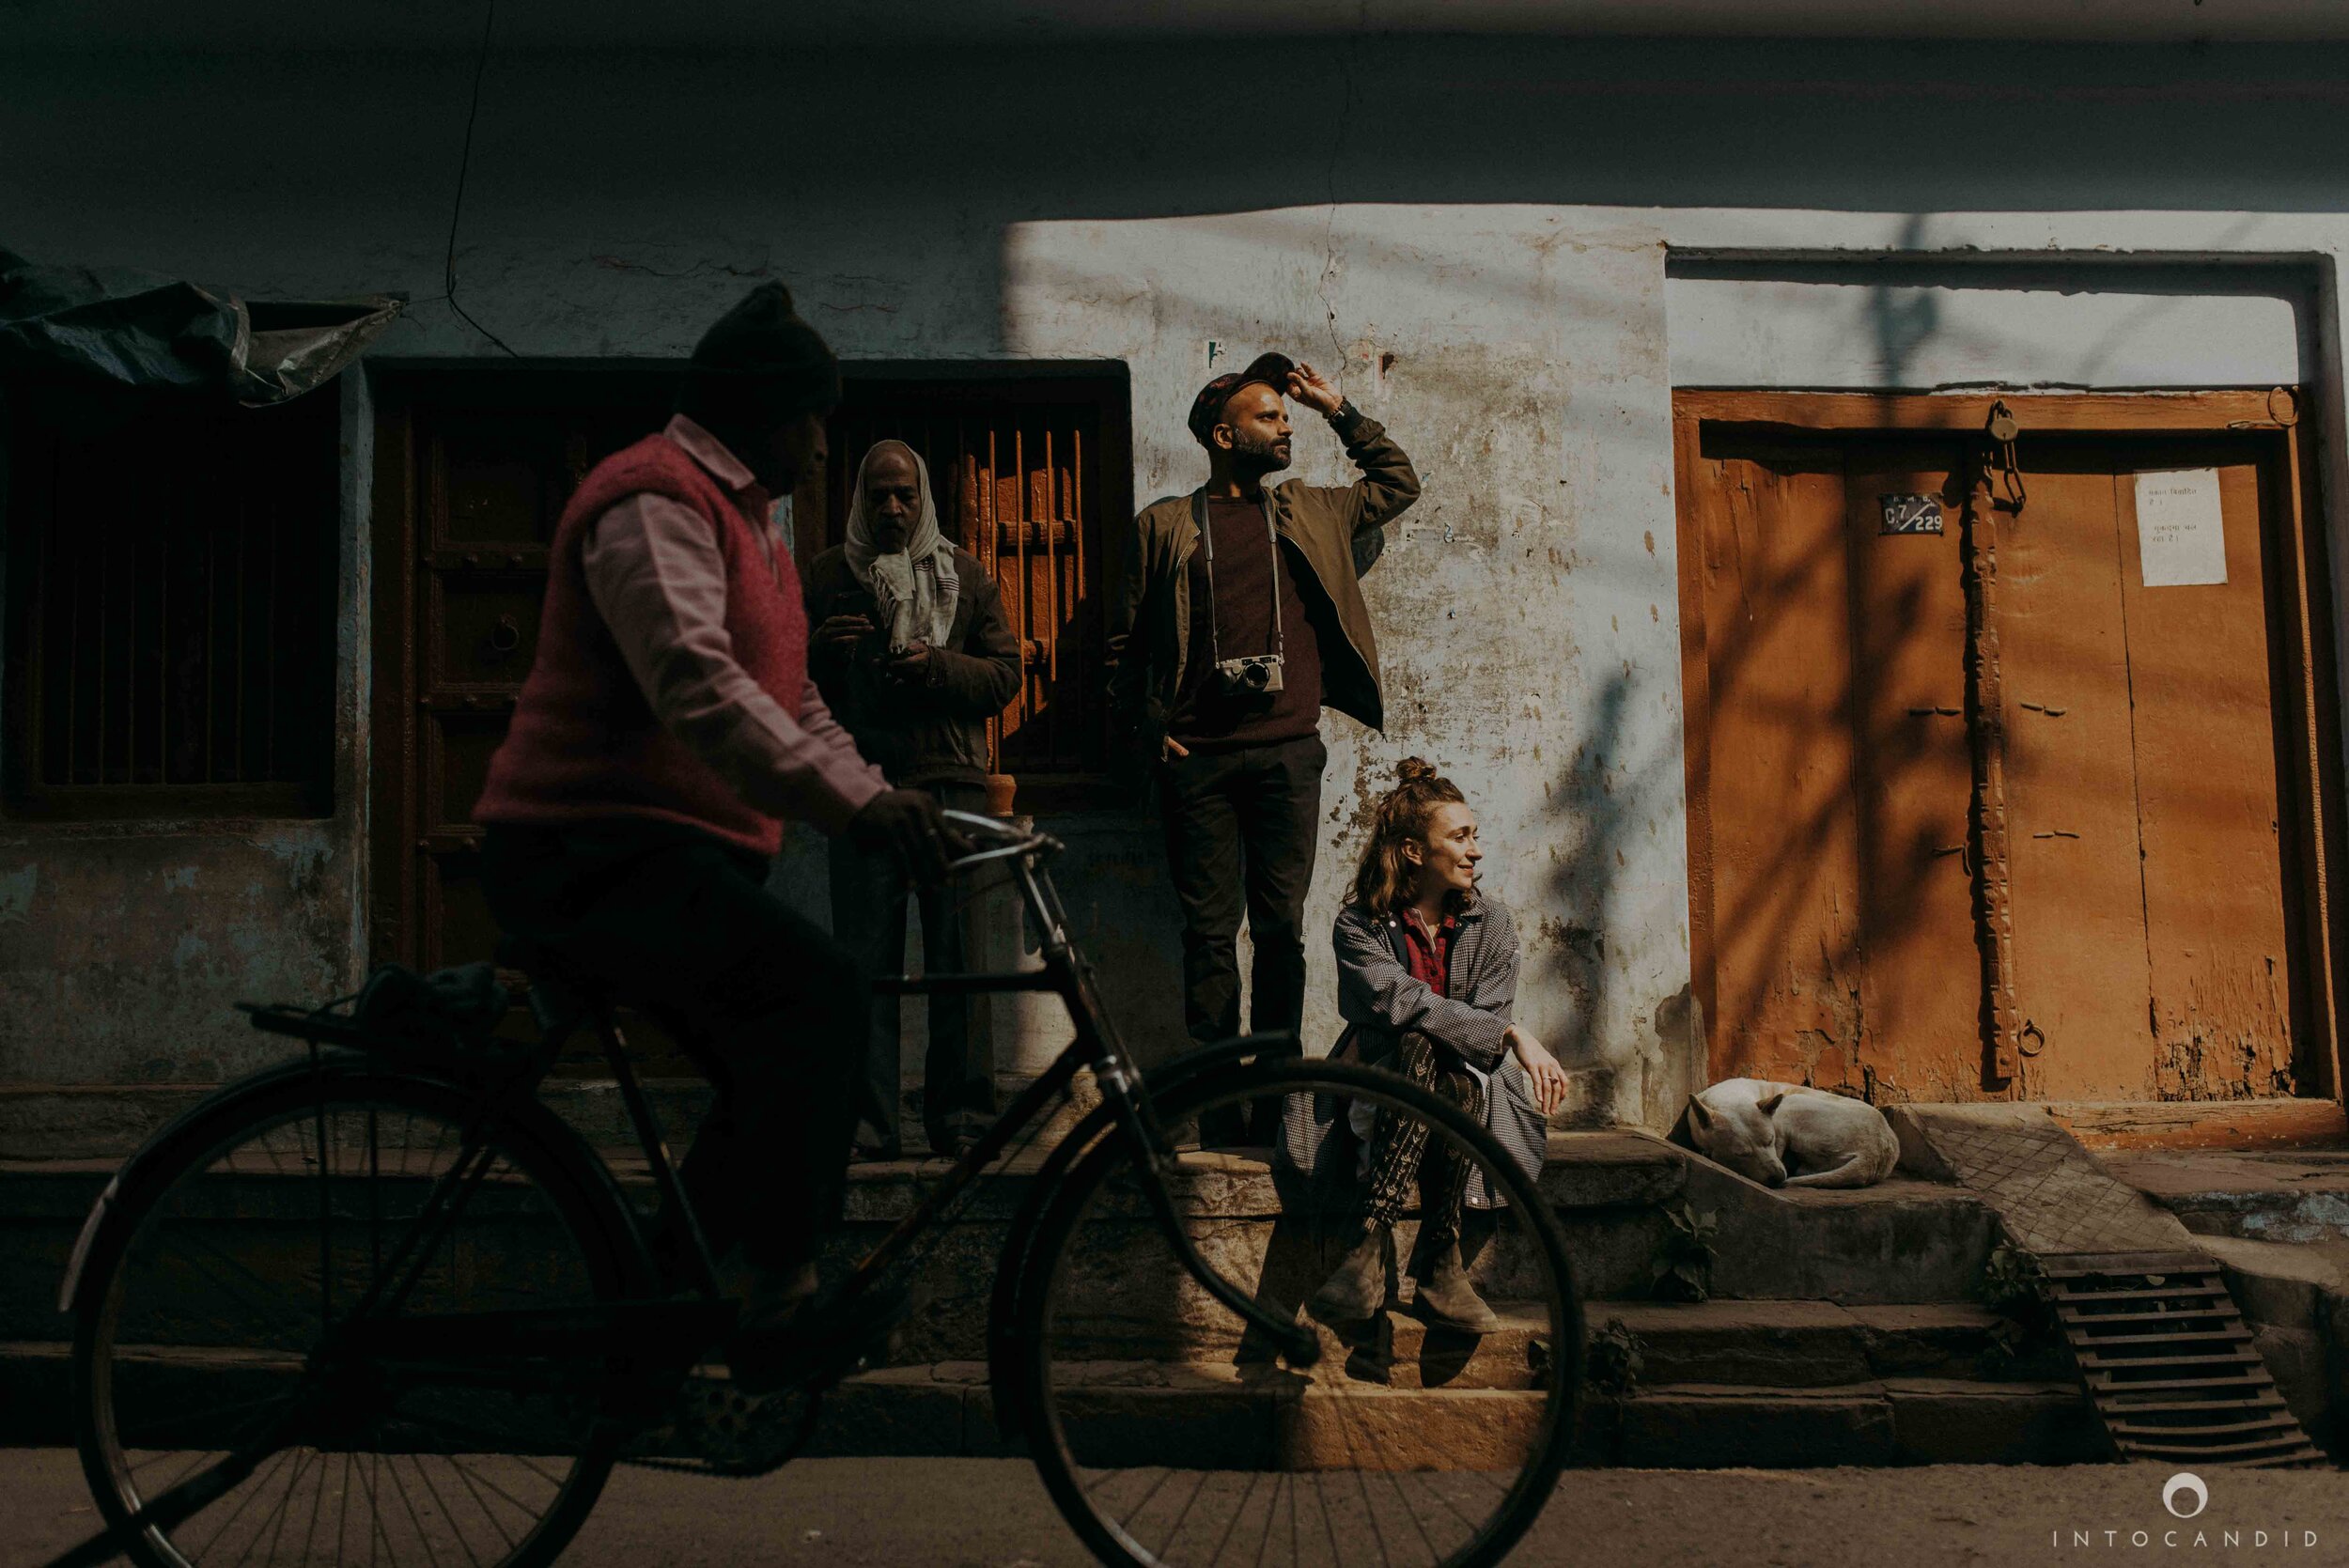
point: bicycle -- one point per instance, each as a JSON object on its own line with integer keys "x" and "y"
{"x": 479, "y": 1332}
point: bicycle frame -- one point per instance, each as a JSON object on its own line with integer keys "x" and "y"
{"x": 561, "y": 1011}
{"x": 1068, "y": 975}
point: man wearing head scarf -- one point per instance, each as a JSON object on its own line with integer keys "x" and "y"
{"x": 913, "y": 653}
{"x": 667, "y": 729}
{"x": 1243, "y": 618}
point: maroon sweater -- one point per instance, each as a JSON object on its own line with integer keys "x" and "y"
{"x": 584, "y": 745}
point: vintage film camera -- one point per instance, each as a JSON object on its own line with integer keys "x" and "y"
{"x": 1252, "y": 676}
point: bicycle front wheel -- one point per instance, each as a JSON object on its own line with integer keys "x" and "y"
{"x": 235, "y": 1251}
{"x": 1431, "y": 1431}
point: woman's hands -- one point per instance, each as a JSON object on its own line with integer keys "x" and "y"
{"x": 1549, "y": 1079}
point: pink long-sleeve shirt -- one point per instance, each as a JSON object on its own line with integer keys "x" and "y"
{"x": 657, "y": 577}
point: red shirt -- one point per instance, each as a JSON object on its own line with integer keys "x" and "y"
{"x": 1428, "y": 954}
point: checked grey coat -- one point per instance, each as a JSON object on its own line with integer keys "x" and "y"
{"x": 1380, "y": 1003}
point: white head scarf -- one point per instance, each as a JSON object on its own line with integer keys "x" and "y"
{"x": 914, "y": 588}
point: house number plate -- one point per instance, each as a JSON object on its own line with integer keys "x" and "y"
{"x": 1910, "y": 514}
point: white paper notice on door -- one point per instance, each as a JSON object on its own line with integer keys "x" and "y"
{"x": 2181, "y": 536}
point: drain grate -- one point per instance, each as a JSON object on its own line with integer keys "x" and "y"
{"x": 2171, "y": 1364}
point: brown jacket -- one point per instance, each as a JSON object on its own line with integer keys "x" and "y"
{"x": 1336, "y": 531}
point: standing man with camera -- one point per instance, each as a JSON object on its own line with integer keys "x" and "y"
{"x": 1242, "y": 618}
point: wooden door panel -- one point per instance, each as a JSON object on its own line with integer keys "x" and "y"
{"x": 2221, "y": 954}
{"x": 455, "y": 766}
{"x": 2074, "y": 855}
{"x": 482, "y": 632}
{"x": 464, "y": 929}
{"x": 1785, "y": 860}
{"x": 494, "y": 473}
{"x": 1921, "y": 982}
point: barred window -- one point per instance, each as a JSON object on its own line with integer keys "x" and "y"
{"x": 171, "y": 588}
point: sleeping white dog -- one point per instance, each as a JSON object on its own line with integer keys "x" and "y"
{"x": 1785, "y": 1135}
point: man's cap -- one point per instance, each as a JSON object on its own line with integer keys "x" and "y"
{"x": 1207, "y": 409}
{"x": 762, "y": 349}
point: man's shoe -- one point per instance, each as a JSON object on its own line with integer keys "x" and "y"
{"x": 1355, "y": 1291}
{"x": 819, "y": 1343}
{"x": 1448, "y": 1300}
{"x": 960, "y": 1136}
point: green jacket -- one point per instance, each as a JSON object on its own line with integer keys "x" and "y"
{"x": 1336, "y": 531}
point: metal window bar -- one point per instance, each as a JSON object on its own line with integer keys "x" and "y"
{"x": 173, "y": 647}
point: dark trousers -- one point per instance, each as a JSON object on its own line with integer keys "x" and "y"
{"x": 1241, "y": 828}
{"x": 869, "y": 895}
{"x": 766, "y": 1005}
{"x": 1400, "y": 1158}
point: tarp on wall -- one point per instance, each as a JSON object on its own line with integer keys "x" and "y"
{"x": 140, "y": 331}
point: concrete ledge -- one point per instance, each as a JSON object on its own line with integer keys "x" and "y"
{"x": 1612, "y": 1169}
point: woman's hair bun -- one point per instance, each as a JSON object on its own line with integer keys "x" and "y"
{"x": 1411, "y": 771}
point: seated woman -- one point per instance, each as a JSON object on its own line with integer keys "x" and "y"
{"x": 1427, "y": 973}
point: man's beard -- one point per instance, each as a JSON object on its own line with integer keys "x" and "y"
{"x": 1257, "y": 457}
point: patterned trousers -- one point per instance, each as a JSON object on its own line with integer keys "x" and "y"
{"x": 1399, "y": 1155}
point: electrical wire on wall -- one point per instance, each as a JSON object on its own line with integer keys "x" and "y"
{"x": 464, "y": 161}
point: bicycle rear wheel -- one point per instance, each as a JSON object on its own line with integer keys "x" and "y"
{"x": 234, "y": 1250}
{"x": 1171, "y": 1434}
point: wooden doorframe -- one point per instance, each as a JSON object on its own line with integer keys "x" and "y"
{"x": 402, "y": 393}
{"x": 2294, "y": 549}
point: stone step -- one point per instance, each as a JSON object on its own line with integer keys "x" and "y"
{"x": 1761, "y": 1346}
{"x": 1220, "y": 1415}
{"x": 947, "y": 1408}
{"x": 1801, "y": 1345}
{"x": 1906, "y": 1241}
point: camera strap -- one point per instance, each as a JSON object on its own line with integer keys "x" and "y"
{"x": 1207, "y": 542}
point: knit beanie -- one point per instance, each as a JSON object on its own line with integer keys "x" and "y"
{"x": 761, "y": 360}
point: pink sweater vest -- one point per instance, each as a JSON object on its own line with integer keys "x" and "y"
{"x": 584, "y": 745}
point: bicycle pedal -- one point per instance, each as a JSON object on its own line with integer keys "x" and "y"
{"x": 737, "y": 1432}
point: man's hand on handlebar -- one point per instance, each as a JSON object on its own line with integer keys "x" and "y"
{"x": 906, "y": 823}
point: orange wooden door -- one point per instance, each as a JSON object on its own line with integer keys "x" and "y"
{"x": 2221, "y": 945}
{"x": 2162, "y": 946}
{"x": 1920, "y": 983}
{"x": 2071, "y": 777}
{"x": 1785, "y": 859}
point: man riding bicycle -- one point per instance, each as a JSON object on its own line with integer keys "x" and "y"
{"x": 667, "y": 728}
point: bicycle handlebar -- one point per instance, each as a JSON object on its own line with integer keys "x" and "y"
{"x": 1005, "y": 841}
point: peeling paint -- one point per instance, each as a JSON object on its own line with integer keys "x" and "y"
{"x": 16, "y": 891}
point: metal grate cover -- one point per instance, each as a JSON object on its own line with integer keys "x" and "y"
{"x": 2171, "y": 1364}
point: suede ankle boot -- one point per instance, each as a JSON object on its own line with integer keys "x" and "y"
{"x": 1448, "y": 1300}
{"x": 1356, "y": 1290}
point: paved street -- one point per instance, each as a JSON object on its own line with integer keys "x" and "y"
{"x": 992, "y": 1514}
